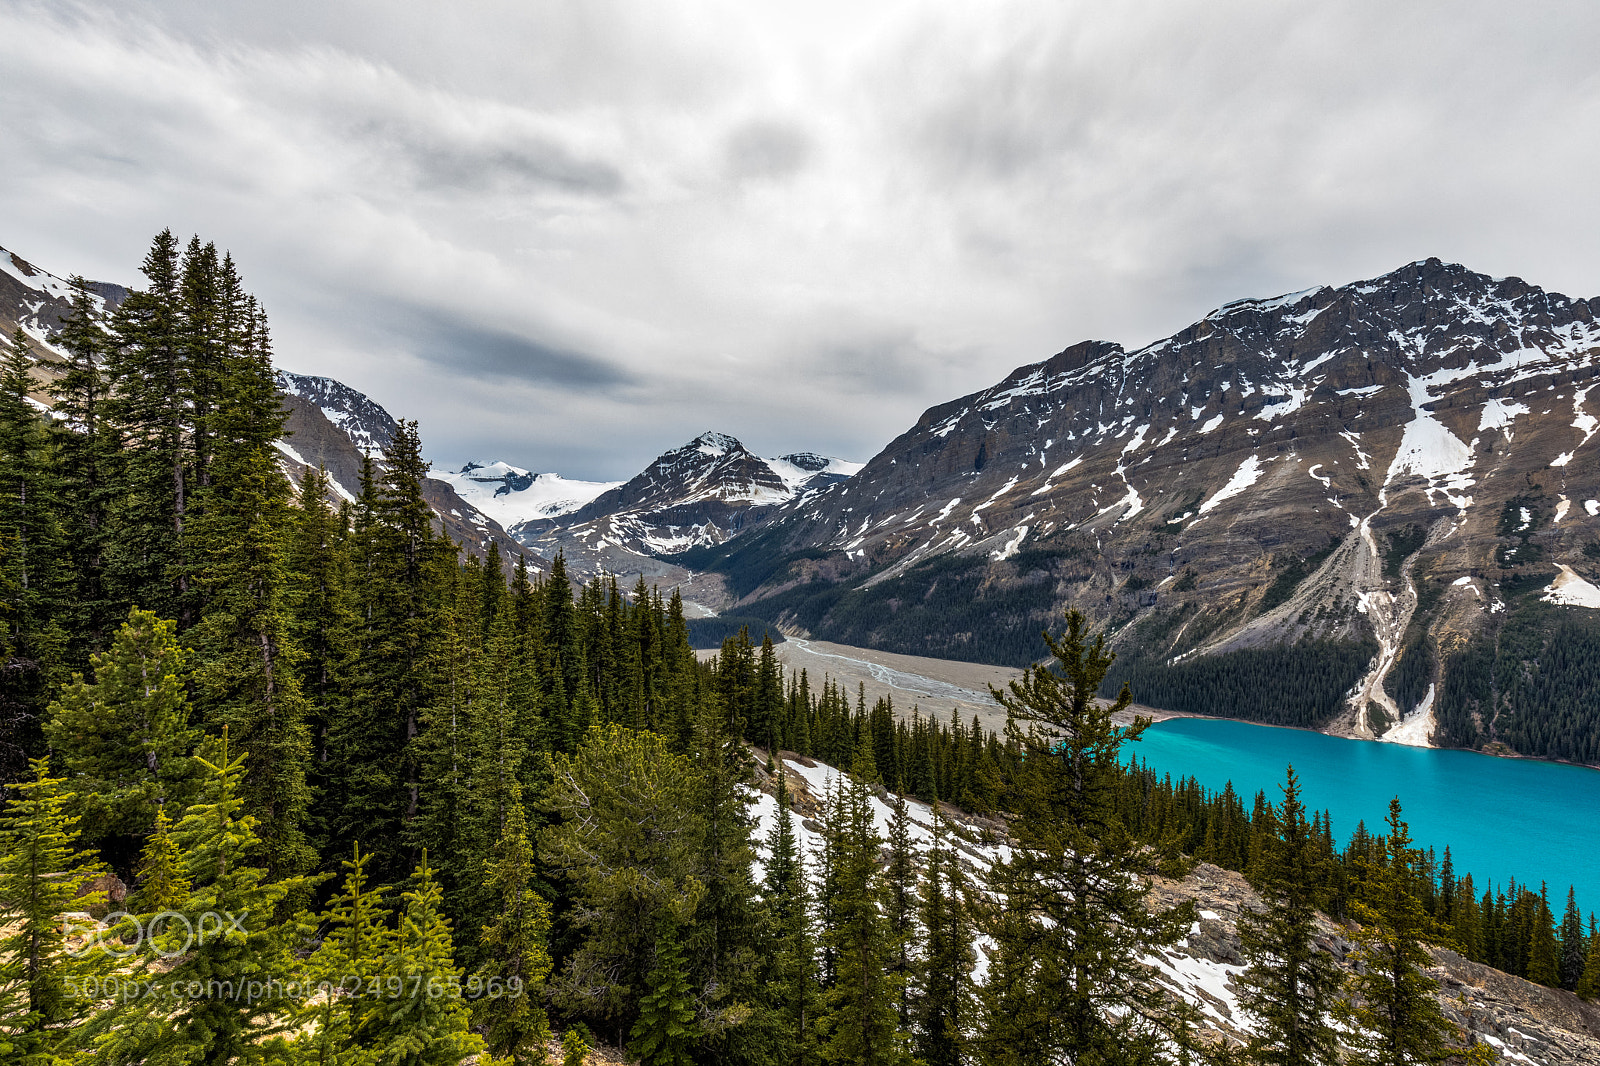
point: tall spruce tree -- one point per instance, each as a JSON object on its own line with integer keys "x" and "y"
{"x": 1068, "y": 983}
{"x": 626, "y": 837}
{"x": 336, "y": 1027}
{"x": 420, "y": 1018}
{"x": 87, "y": 454}
{"x": 1572, "y": 943}
{"x": 152, "y": 403}
{"x": 248, "y": 674}
{"x": 859, "y": 1022}
{"x": 516, "y": 944}
{"x": 1289, "y": 986}
{"x": 32, "y": 578}
{"x": 665, "y": 1032}
{"x": 1396, "y": 1018}
{"x": 793, "y": 965}
{"x": 944, "y": 1005}
{"x": 219, "y": 1002}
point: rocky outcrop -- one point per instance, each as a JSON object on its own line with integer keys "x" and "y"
{"x": 1523, "y": 1022}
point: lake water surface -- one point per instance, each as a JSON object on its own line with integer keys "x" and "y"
{"x": 1534, "y": 821}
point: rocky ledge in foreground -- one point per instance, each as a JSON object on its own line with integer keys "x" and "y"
{"x": 1524, "y": 1022}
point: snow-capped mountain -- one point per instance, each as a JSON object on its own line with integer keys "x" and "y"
{"x": 37, "y": 302}
{"x": 1398, "y": 464}
{"x": 357, "y": 416}
{"x": 694, "y": 495}
{"x": 512, "y": 495}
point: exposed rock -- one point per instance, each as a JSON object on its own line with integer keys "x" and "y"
{"x": 1518, "y": 1018}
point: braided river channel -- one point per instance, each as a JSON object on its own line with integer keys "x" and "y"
{"x": 1502, "y": 818}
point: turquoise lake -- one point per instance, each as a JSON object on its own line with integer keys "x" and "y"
{"x": 1502, "y": 818}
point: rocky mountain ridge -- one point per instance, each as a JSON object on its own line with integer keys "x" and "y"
{"x": 1386, "y": 475}
{"x": 695, "y": 495}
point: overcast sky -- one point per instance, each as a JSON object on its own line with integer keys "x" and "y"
{"x": 572, "y": 235}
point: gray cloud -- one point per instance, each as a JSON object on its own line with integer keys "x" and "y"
{"x": 767, "y": 149}
{"x": 573, "y": 235}
{"x": 454, "y": 344}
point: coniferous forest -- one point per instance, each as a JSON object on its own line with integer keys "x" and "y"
{"x": 377, "y": 799}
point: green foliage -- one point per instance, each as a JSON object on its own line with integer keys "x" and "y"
{"x": 424, "y": 1023}
{"x": 574, "y": 1049}
{"x": 860, "y": 1020}
{"x": 41, "y": 875}
{"x": 220, "y": 1001}
{"x": 711, "y": 632}
{"x": 1068, "y": 919}
{"x": 626, "y": 838}
{"x": 126, "y": 737}
{"x": 516, "y": 946}
{"x": 1299, "y": 685}
{"x": 1527, "y": 683}
{"x": 945, "y": 1002}
{"x": 1290, "y": 986}
{"x": 1397, "y": 1020}
{"x": 1399, "y": 545}
{"x": 665, "y": 1030}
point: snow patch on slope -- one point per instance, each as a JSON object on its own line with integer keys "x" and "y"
{"x": 1570, "y": 590}
{"x": 1248, "y": 474}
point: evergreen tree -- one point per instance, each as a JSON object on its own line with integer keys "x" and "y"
{"x": 227, "y": 998}
{"x": 1572, "y": 943}
{"x": 86, "y": 458}
{"x": 859, "y": 1023}
{"x": 1397, "y": 1020}
{"x": 41, "y": 875}
{"x": 945, "y": 1005}
{"x": 153, "y": 403}
{"x": 322, "y": 627}
{"x": 1067, "y": 982}
{"x": 665, "y": 1031}
{"x": 125, "y": 737}
{"x": 1589, "y": 982}
{"x": 338, "y": 1027}
{"x": 162, "y": 884}
{"x": 1544, "y": 961}
{"x": 32, "y": 580}
{"x": 421, "y": 1019}
{"x": 723, "y": 940}
{"x": 900, "y": 906}
{"x": 793, "y": 965}
{"x": 1289, "y": 987}
{"x": 626, "y": 838}
{"x": 516, "y": 943}
{"x": 248, "y": 673}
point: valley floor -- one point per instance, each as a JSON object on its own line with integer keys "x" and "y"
{"x": 936, "y": 686}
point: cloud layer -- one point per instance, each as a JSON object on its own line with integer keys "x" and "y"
{"x": 572, "y": 235}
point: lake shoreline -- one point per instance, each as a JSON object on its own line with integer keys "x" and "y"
{"x": 1157, "y": 715}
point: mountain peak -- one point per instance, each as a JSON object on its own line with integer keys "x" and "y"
{"x": 713, "y": 443}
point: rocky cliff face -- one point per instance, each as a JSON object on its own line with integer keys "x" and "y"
{"x": 696, "y": 495}
{"x": 1390, "y": 469}
{"x": 332, "y": 425}
{"x": 1521, "y": 1021}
